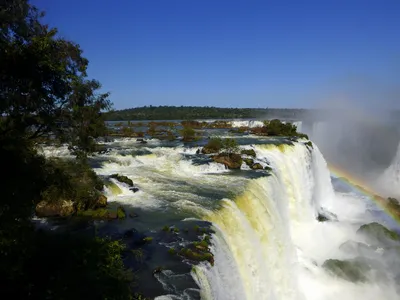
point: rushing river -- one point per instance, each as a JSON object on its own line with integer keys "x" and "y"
{"x": 266, "y": 240}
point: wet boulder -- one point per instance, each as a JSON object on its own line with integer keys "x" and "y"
{"x": 257, "y": 166}
{"x": 378, "y": 232}
{"x": 248, "y": 152}
{"x": 352, "y": 270}
{"x": 324, "y": 216}
{"x": 134, "y": 189}
{"x": 122, "y": 179}
{"x": 231, "y": 161}
{"x": 249, "y": 162}
{"x": 59, "y": 208}
{"x": 101, "y": 201}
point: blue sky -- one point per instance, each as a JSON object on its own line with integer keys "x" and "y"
{"x": 236, "y": 53}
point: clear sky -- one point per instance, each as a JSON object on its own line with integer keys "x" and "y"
{"x": 236, "y": 53}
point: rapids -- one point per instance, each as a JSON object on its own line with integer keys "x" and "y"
{"x": 267, "y": 242}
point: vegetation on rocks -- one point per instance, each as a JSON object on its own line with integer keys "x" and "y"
{"x": 188, "y": 134}
{"x": 276, "y": 127}
{"x": 248, "y": 152}
{"x": 378, "y": 232}
{"x": 123, "y": 179}
{"x": 352, "y": 270}
{"x": 198, "y": 251}
{"x": 231, "y": 161}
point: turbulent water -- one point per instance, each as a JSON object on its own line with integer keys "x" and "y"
{"x": 267, "y": 242}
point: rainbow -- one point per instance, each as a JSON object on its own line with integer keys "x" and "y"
{"x": 362, "y": 187}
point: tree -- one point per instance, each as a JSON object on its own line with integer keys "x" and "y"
{"x": 188, "y": 134}
{"x": 43, "y": 81}
{"x": 83, "y": 116}
{"x": 230, "y": 145}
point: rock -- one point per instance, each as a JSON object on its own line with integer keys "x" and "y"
{"x": 121, "y": 212}
{"x": 60, "y": 208}
{"x": 123, "y": 179}
{"x": 133, "y": 215}
{"x": 268, "y": 168}
{"x": 358, "y": 247}
{"x": 324, "y": 216}
{"x": 352, "y": 270}
{"x": 158, "y": 270}
{"x": 379, "y": 232}
{"x": 101, "y": 201}
{"x": 257, "y": 166}
{"x": 134, "y": 189}
{"x": 231, "y": 161}
{"x": 309, "y": 144}
{"x": 100, "y": 213}
{"x": 249, "y": 152}
{"x": 249, "y": 162}
{"x": 142, "y": 141}
{"x": 198, "y": 151}
{"x": 206, "y": 150}
{"x": 197, "y": 255}
{"x": 147, "y": 239}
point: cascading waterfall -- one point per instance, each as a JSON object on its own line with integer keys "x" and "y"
{"x": 256, "y": 229}
{"x": 268, "y": 243}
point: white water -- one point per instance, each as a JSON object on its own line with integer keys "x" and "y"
{"x": 390, "y": 179}
{"x": 268, "y": 244}
{"x": 277, "y": 246}
{"x": 248, "y": 123}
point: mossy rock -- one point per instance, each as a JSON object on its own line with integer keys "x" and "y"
{"x": 121, "y": 213}
{"x": 378, "y": 231}
{"x": 100, "y": 213}
{"x": 309, "y": 144}
{"x": 123, "y": 179}
{"x": 249, "y": 152}
{"x": 352, "y": 270}
{"x": 231, "y": 161}
{"x": 148, "y": 239}
{"x": 257, "y": 166}
{"x": 197, "y": 255}
{"x": 101, "y": 201}
{"x": 249, "y": 162}
{"x": 61, "y": 208}
{"x": 104, "y": 213}
{"x": 268, "y": 168}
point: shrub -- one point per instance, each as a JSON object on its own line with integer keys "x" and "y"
{"x": 188, "y": 134}
{"x": 230, "y": 145}
{"x": 215, "y": 144}
{"x": 67, "y": 263}
{"x": 71, "y": 180}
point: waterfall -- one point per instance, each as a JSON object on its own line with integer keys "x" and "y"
{"x": 254, "y": 230}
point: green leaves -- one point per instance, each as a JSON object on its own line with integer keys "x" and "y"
{"x": 43, "y": 82}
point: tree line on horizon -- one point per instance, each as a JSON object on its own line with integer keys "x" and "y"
{"x": 166, "y": 112}
{"x": 200, "y": 112}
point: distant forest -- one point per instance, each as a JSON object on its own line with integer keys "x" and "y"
{"x": 198, "y": 112}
